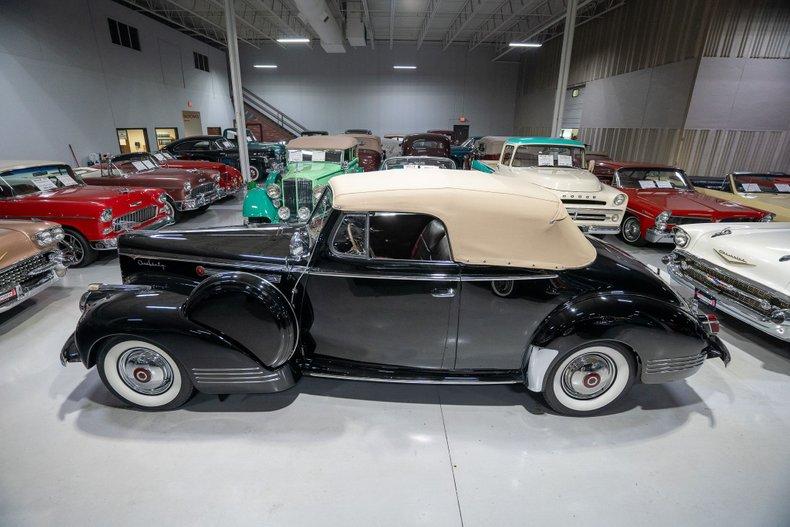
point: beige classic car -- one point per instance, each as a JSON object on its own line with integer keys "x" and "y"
{"x": 765, "y": 191}
{"x": 29, "y": 259}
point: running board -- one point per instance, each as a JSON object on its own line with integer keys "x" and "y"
{"x": 362, "y": 371}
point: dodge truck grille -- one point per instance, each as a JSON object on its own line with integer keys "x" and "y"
{"x": 758, "y": 298}
{"x": 584, "y": 215}
{"x": 297, "y": 193}
{"x": 134, "y": 218}
{"x": 24, "y": 270}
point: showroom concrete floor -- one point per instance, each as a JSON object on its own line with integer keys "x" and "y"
{"x": 709, "y": 451}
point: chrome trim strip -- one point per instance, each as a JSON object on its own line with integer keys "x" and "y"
{"x": 209, "y": 261}
{"x": 433, "y": 277}
{"x": 231, "y": 370}
{"x": 234, "y": 382}
{"x": 405, "y": 381}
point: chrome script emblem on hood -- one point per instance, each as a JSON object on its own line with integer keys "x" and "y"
{"x": 146, "y": 262}
{"x": 731, "y": 257}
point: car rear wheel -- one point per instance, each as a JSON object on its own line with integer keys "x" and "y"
{"x": 77, "y": 251}
{"x": 589, "y": 380}
{"x": 631, "y": 231}
{"x": 143, "y": 375}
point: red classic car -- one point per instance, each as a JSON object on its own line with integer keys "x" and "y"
{"x": 187, "y": 189}
{"x": 434, "y": 145}
{"x": 92, "y": 217}
{"x": 661, "y": 197}
{"x": 230, "y": 180}
{"x": 369, "y": 151}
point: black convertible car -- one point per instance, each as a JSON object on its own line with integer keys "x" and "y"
{"x": 395, "y": 279}
{"x": 217, "y": 148}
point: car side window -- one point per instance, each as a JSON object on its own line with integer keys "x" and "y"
{"x": 201, "y": 145}
{"x": 186, "y": 145}
{"x": 5, "y": 190}
{"x": 407, "y": 236}
{"x": 350, "y": 237}
{"x": 507, "y": 154}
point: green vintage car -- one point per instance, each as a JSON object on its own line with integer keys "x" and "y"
{"x": 312, "y": 162}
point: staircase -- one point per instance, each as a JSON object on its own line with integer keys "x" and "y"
{"x": 267, "y": 122}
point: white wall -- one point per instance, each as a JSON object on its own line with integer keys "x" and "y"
{"x": 62, "y": 81}
{"x": 359, "y": 88}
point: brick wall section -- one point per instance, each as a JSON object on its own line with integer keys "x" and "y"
{"x": 272, "y": 132}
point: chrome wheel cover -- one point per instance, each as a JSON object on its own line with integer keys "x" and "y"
{"x": 145, "y": 371}
{"x": 588, "y": 376}
{"x": 503, "y": 288}
{"x": 631, "y": 230}
{"x": 73, "y": 251}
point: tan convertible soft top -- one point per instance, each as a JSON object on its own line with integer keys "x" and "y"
{"x": 369, "y": 142}
{"x": 323, "y": 142}
{"x": 490, "y": 219}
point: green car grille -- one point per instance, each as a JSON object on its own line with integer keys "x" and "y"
{"x": 297, "y": 193}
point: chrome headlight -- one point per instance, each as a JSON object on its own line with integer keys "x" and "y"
{"x": 273, "y": 191}
{"x": 681, "y": 237}
{"x": 661, "y": 220}
{"x": 187, "y": 186}
{"x": 44, "y": 238}
{"x": 283, "y": 213}
{"x": 768, "y": 217}
{"x": 161, "y": 198}
{"x": 106, "y": 215}
{"x": 303, "y": 214}
{"x": 619, "y": 200}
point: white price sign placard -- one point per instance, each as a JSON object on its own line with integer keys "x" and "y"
{"x": 159, "y": 157}
{"x": 43, "y": 183}
{"x": 149, "y": 164}
{"x": 564, "y": 161}
{"x": 751, "y": 187}
{"x": 783, "y": 187}
{"x": 319, "y": 155}
{"x": 646, "y": 183}
{"x": 663, "y": 184}
{"x": 545, "y": 160}
{"x": 139, "y": 165}
{"x": 294, "y": 156}
{"x": 66, "y": 179}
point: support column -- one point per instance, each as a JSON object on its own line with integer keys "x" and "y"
{"x": 565, "y": 67}
{"x": 235, "y": 84}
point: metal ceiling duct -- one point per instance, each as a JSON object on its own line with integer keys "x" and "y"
{"x": 317, "y": 14}
{"x": 355, "y": 27}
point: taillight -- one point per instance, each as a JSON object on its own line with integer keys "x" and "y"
{"x": 712, "y": 323}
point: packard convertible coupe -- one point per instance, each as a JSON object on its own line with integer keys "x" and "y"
{"x": 92, "y": 217}
{"x": 742, "y": 269}
{"x": 558, "y": 166}
{"x": 393, "y": 279}
{"x": 30, "y": 260}
{"x": 312, "y": 162}
{"x": 661, "y": 197}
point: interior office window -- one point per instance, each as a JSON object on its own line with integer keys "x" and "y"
{"x": 123, "y": 35}
{"x": 201, "y": 61}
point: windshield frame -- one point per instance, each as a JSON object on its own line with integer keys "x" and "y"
{"x": 776, "y": 192}
{"x": 318, "y": 218}
{"x": 571, "y": 148}
{"x": 436, "y": 160}
{"x": 31, "y": 170}
{"x": 114, "y": 161}
{"x": 683, "y": 176}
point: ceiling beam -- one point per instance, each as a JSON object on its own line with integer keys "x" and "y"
{"x": 252, "y": 20}
{"x": 433, "y": 6}
{"x": 464, "y": 16}
{"x": 503, "y": 17}
{"x": 368, "y": 24}
{"x": 284, "y": 17}
{"x": 392, "y": 21}
{"x": 182, "y": 19}
{"x": 202, "y": 11}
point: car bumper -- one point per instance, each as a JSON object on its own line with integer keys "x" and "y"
{"x": 595, "y": 220}
{"x": 69, "y": 351}
{"x": 732, "y": 307}
{"x": 663, "y": 370}
{"x": 22, "y": 293}
{"x": 111, "y": 244}
{"x": 657, "y": 236}
{"x": 197, "y": 202}
{"x": 600, "y": 229}
{"x": 225, "y": 192}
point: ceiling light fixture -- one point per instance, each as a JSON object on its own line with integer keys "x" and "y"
{"x": 404, "y": 67}
{"x": 524, "y": 45}
{"x": 267, "y": 66}
{"x": 293, "y": 40}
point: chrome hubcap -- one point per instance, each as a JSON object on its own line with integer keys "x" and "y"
{"x": 588, "y": 376}
{"x": 631, "y": 230}
{"x": 145, "y": 371}
{"x": 73, "y": 251}
{"x": 502, "y": 287}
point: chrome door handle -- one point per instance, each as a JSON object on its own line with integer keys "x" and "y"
{"x": 443, "y": 293}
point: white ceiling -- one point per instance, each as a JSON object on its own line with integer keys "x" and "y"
{"x": 473, "y": 23}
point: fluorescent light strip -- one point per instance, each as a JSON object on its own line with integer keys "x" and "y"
{"x": 266, "y": 66}
{"x": 404, "y": 67}
{"x": 289, "y": 40}
{"x": 524, "y": 45}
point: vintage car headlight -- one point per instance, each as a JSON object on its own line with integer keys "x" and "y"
{"x": 619, "y": 200}
{"x": 187, "y": 186}
{"x": 681, "y": 237}
{"x": 283, "y": 213}
{"x": 661, "y": 220}
{"x": 768, "y": 217}
{"x": 303, "y": 214}
{"x": 161, "y": 198}
{"x": 273, "y": 191}
{"x": 106, "y": 215}
{"x": 44, "y": 238}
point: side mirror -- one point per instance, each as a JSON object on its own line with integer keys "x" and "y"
{"x": 300, "y": 244}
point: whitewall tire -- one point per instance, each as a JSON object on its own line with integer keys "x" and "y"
{"x": 143, "y": 375}
{"x": 587, "y": 381}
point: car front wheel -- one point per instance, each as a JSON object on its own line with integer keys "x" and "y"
{"x": 77, "y": 251}
{"x": 589, "y": 380}
{"x": 631, "y": 231}
{"x": 143, "y": 375}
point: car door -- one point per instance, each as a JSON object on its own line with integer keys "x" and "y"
{"x": 383, "y": 290}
